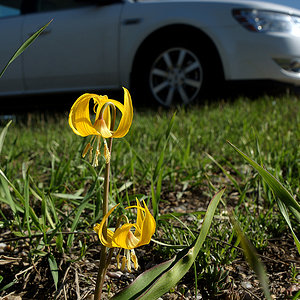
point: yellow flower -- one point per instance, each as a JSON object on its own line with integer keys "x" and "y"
{"x": 124, "y": 238}
{"x": 81, "y": 124}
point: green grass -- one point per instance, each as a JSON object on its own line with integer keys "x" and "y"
{"x": 52, "y": 190}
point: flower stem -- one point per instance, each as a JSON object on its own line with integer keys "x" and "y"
{"x": 104, "y": 260}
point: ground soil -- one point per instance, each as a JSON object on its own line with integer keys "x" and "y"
{"x": 33, "y": 280}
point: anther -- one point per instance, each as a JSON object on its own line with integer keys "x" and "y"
{"x": 123, "y": 263}
{"x": 134, "y": 259}
{"x": 106, "y": 153}
{"x": 86, "y": 149}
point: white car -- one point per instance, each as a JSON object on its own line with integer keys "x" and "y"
{"x": 167, "y": 50}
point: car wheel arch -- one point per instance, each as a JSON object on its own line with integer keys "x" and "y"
{"x": 175, "y": 32}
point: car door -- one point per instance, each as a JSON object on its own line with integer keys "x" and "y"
{"x": 78, "y": 50}
{"x": 11, "y": 22}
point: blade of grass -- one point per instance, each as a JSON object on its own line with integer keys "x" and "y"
{"x": 8, "y": 197}
{"x": 285, "y": 214}
{"x": 84, "y": 202}
{"x": 279, "y": 190}
{"x": 225, "y": 173}
{"x": 75, "y": 223}
{"x": 23, "y": 47}
{"x": 157, "y": 177}
{"x": 285, "y": 199}
{"x": 54, "y": 269}
{"x": 252, "y": 257}
{"x": 3, "y": 134}
{"x": 21, "y": 198}
{"x": 26, "y": 198}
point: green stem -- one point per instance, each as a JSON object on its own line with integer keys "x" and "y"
{"x": 101, "y": 274}
{"x": 104, "y": 260}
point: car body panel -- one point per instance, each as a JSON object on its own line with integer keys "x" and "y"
{"x": 60, "y": 68}
{"x": 11, "y": 39}
{"x": 94, "y": 47}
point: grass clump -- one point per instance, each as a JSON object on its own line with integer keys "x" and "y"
{"x": 49, "y": 197}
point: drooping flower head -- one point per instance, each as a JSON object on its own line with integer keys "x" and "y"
{"x": 81, "y": 123}
{"x": 128, "y": 236}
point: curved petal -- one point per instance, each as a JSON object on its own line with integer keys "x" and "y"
{"x": 145, "y": 225}
{"x": 140, "y": 215}
{"x": 127, "y": 115}
{"x": 148, "y": 227}
{"x": 79, "y": 117}
{"x": 124, "y": 238}
{"x": 107, "y": 117}
{"x": 101, "y": 100}
{"x": 99, "y": 229}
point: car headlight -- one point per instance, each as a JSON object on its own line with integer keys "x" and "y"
{"x": 267, "y": 21}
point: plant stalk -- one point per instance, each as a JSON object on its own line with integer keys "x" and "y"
{"x": 104, "y": 260}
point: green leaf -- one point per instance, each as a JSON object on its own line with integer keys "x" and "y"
{"x": 23, "y": 47}
{"x": 3, "y": 134}
{"x": 157, "y": 176}
{"x": 297, "y": 296}
{"x": 279, "y": 190}
{"x": 7, "y": 193}
{"x": 285, "y": 199}
{"x": 252, "y": 257}
{"x": 75, "y": 223}
{"x": 27, "y": 205}
{"x": 83, "y": 204}
{"x": 60, "y": 242}
{"x": 24, "y": 200}
{"x": 8, "y": 285}
{"x": 160, "y": 279}
{"x": 225, "y": 173}
{"x": 285, "y": 214}
{"x": 54, "y": 269}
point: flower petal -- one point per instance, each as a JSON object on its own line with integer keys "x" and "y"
{"x": 79, "y": 117}
{"x": 124, "y": 238}
{"x": 140, "y": 215}
{"x": 148, "y": 227}
{"x": 101, "y": 100}
{"x": 99, "y": 229}
{"x": 127, "y": 115}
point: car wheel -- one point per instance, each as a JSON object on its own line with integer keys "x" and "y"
{"x": 175, "y": 76}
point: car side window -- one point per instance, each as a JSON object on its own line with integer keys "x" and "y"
{"x": 50, "y": 5}
{"x": 10, "y": 8}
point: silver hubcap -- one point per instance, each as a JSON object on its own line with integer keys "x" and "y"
{"x": 176, "y": 76}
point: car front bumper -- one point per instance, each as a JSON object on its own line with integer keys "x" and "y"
{"x": 249, "y": 55}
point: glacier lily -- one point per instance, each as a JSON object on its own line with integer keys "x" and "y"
{"x": 124, "y": 238}
{"x": 81, "y": 123}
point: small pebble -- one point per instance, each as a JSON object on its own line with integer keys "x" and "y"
{"x": 2, "y": 247}
{"x": 117, "y": 274}
{"x": 246, "y": 285}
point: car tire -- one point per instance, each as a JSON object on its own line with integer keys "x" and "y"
{"x": 175, "y": 73}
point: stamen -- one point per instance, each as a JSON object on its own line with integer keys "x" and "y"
{"x": 106, "y": 153}
{"x": 129, "y": 255}
{"x": 123, "y": 263}
{"x": 118, "y": 259}
{"x": 96, "y": 163}
{"x": 128, "y": 260}
{"x": 91, "y": 155}
{"x": 86, "y": 149}
{"x": 134, "y": 259}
